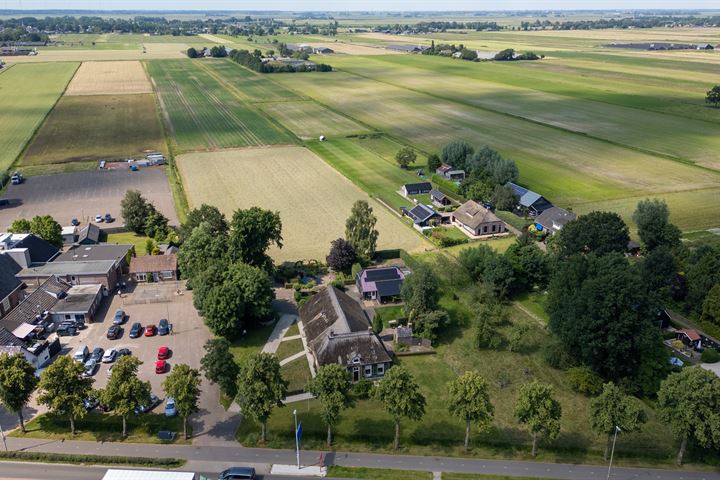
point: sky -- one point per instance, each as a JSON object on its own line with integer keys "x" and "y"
{"x": 364, "y": 5}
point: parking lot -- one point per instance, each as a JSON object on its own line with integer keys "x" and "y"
{"x": 83, "y": 195}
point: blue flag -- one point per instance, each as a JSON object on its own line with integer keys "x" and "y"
{"x": 298, "y": 432}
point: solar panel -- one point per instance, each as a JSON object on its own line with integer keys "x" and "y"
{"x": 381, "y": 274}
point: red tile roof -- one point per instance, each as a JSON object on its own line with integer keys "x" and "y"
{"x": 693, "y": 335}
{"x": 153, "y": 263}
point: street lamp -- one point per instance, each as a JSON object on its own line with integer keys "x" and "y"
{"x": 612, "y": 452}
{"x": 297, "y": 440}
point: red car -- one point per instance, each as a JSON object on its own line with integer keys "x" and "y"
{"x": 163, "y": 353}
{"x": 160, "y": 366}
{"x": 150, "y": 330}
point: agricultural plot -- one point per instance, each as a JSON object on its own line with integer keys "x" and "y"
{"x": 203, "y": 114}
{"x": 109, "y": 78}
{"x": 27, "y": 93}
{"x": 151, "y": 51}
{"x": 308, "y": 119}
{"x": 313, "y": 199}
{"x": 97, "y": 127}
{"x": 248, "y": 85}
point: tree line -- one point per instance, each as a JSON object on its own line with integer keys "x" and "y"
{"x": 622, "y": 23}
{"x": 253, "y": 61}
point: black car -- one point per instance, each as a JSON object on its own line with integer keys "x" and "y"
{"x": 97, "y": 354}
{"x": 66, "y": 331}
{"x": 163, "y": 327}
{"x": 90, "y": 403}
{"x": 136, "y": 330}
{"x": 238, "y": 473}
{"x": 123, "y": 352}
{"x": 113, "y": 332}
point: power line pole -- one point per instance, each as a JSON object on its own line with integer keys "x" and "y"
{"x": 612, "y": 452}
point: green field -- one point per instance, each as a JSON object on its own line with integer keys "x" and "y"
{"x": 308, "y": 119}
{"x": 97, "y": 127}
{"x": 203, "y": 114}
{"x": 27, "y": 93}
{"x": 250, "y": 86}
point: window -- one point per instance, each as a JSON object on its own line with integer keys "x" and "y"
{"x": 356, "y": 360}
{"x": 381, "y": 369}
{"x": 6, "y": 304}
{"x": 494, "y": 226}
{"x": 167, "y": 274}
{"x": 485, "y": 229}
{"x": 368, "y": 370}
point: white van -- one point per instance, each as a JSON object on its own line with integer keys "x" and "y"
{"x": 81, "y": 353}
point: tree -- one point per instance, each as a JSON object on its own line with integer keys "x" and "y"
{"x": 505, "y": 55}
{"x": 711, "y": 306}
{"x": 652, "y": 218}
{"x": 530, "y": 265}
{"x": 183, "y": 384}
{"x": 17, "y": 384}
{"x": 134, "y": 209}
{"x": 456, "y": 153}
{"x": 377, "y": 324}
{"x": 192, "y": 53}
{"x": 433, "y": 163}
{"x": 659, "y": 271}
{"x": 200, "y": 249}
{"x": 537, "y": 409}
{"x": 342, "y": 255}
{"x": 218, "y": 51}
{"x": 125, "y": 392}
{"x": 405, "y": 156}
{"x": 503, "y": 198}
{"x": 217, "y": 222}
{"x": 360, "y": 229}
{"x": 20, "y": 225}
{"x": 261, "y": 388}
{"x": 401, "y": 396}
{"x": 470, "y": 400}
{"x": 615, "y": 409}
{"x": 218, "y": 365}
{"x": 331, "y": 386}
{"x": 703, "y": 273}
{"x": 48, "y": 229}
{"x": 599, "y": 232}
{"x": 489, "y": 267}
{"x": 688, "y": 401}
{"x": 420, "y": 292}
{"x": 429, "y": 324}
{"x": 252, "y": 232}
{"x": 713, "y": 96}
{"x": 63, "y": 389}
{"x": 156, "y": 224}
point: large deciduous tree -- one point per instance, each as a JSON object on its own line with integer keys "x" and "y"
{"x": 219, "y": 366}
{"x": 598, "y": 232}
{"x": 652, "y": 218}
{"x": 470, "y": 401}
{"x": 689, "y": 402}
{"x": 611, "y": 409}
{"x": 125, "y": 392}
{"x": 261, "y": 388}
{"x": 63, "y": 389}
{"x": 433, "y": 163}
{"x": 537, "y": 409}
{"x": 711, "y": 306}
{"x": 456, "y": 153}
{"x": 252, "y": 232}
{"x": 405, "y": 157}
{"x": 45, "y": 227}
{"x": 400, "y": 395}
{"x": 360, "y": 230}
{"x": 331, "y": 386}
{"x": 201, "y": 247}
{"x": 420, "y": 292}
{"x": 183, "y": 384}
{"x": 20, "y": 225}
{"x": 342, "y": 255}
{"x": 713, "y": 96}
{"x": 205, "y": 213}
{"x": 703, "y": 273}
{"x": 134, "y": 209}
{"x": 489, "y": 267}
{"x": 17, "y": 384}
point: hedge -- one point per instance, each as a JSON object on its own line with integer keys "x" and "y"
{"x": 77, "y": 458}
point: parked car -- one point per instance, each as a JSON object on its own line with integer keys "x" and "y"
{"x": 123, "y": 352}
{"x": 90, "y": 367}
{"x": 74, "y": 222}
{"x": 90, "y": 403}
{"x": 163, "y": 327}
{"x": 66, "y": 331}
{"x": 150, "y": 331}
{"x": 163, "y": 353}
{"x": 16, "y": 178}
{"x": 108, "y": 218}
{"x": 97, "y": 354}
{"x": 81, "y": 353}
{"x": 110, "y": 356}
{"x": 136, "y": 330}
{"x": 170, "y": 410}
{"x": 113, "y": 332}
{"x": 98, "y": 218}
{"x": 160, "y": 366}
{"x": 153, "y": 402}
{"x": 238, "y": 473}
{"x": 119, "y": 317}
{"x": 77, "y": 324}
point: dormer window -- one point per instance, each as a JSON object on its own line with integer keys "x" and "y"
{"x": 356, "y": 360}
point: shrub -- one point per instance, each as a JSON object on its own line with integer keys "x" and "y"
{"x": 79, "y": 458}
{"x": 557, "y": 356}
{"x": 377, "y": 324}
{"x": 710, "y": 355}
{"x": 584, "y": 380}
{"x": 362, "y": 389}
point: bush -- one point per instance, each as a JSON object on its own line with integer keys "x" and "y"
{"x": 78, "y": 458}
{"x": 362, "y": 389}
{"x": 710, "y": 355}
{"x": 557, "y": 356}
{"x": 584, "y": 380}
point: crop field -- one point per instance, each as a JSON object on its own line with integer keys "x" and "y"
{"x": 308, "y": 119}
{"x": 248, "y": 85}
{"x": 27, "y": 93}
{"x": 109, "y": 78}
{"x": 313, "y": 199}
{"x": 96, "y": 127}
{"x": 203, "y": 114}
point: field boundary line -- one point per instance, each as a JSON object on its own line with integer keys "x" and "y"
{"x": 648, "y": 195}
{"x": 536, "y": 122}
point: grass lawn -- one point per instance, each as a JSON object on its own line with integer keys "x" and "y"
{"x": 297, "y": 373}
{"x": 251, "y": 343}
{"x": 474, "y": 476}
{"x": 129, "y": 238}
{"x": 100, "y": 427}
{"x": 389, "y": 313}
{"x": 535, "y": 303}
{"x": 53, "y": 168}
{"x": 308, "y": 119}
{"x": 378, "y": 473}
{"x": 511, "y": 219}
{"x": 289, "y": 348}
{"x": 499, "y": 244}
{"x": 293, "y": 330}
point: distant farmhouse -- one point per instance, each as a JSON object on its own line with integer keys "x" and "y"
{"x": 476, "y": 220}
{"x": 439, "y": 199}
{"x": 553, "y": 220}
{"x": 421, "y": 215}
{"x": 450, "y": 173}
{"x": 661, "y": 46}
{"x": 528, "y": 200}
{"x": 407, "y": 48}
{"x": 416, "y": 188}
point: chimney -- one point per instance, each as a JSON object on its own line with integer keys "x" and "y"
{"x": 332, "y": 334}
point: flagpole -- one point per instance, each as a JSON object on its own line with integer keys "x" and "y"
{"x": 297, "y": 440}
{"x": 612, "y": 452}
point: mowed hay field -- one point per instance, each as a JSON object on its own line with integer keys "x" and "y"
{"x": 204, "y": 114}
{"x": 309, "y": 119}
{"x": 109, "y": 78}
{"x": 96, "y": 127}
{"x": 313, "y": 199}
{"x": 27, "y": 93}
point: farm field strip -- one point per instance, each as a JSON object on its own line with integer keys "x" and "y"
{"x": 205, "y": 114}
{"x": 27, "y": 94}
{"x": 312, "y": 198}
{"x": 307, "y": 119}
{"x": 109, "y": 78}
{"x": 655, "y": 133}
{"x": 251, "y": 86}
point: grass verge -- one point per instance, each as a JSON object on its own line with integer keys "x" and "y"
{"x": 76, "y": 458}
{"x": 289, "y": 348}
{"x": 129, "y": 238}
{"x": 297, "y": 373}
{"x": 378, "y": 473}
{"x": 471, "y": 476}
